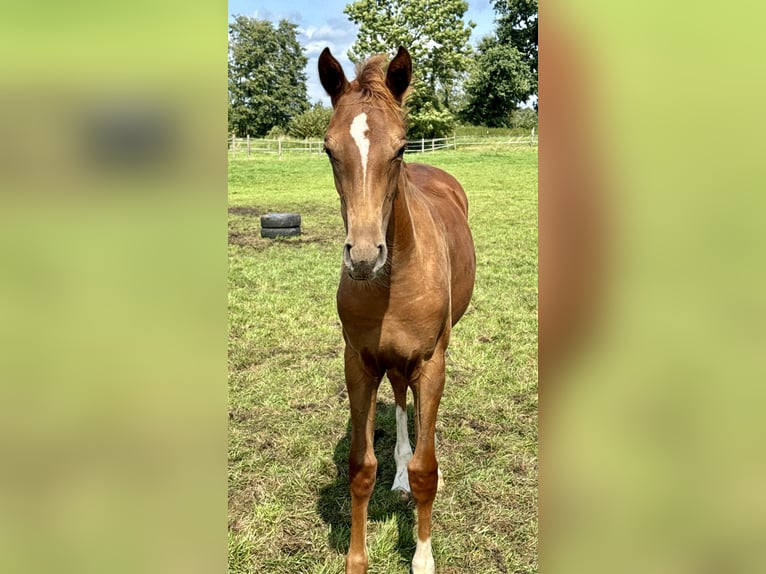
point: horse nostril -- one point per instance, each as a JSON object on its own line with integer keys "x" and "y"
{"x": 382, "y": 255}
{"x": 347, "y": 254}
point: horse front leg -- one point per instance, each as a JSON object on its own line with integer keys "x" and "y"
{"x": 362, "y": 464}
{"x": 423, "y": 468}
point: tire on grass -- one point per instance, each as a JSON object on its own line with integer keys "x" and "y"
{"x": 272, "y": 232}
{"x": 280, "y": 220}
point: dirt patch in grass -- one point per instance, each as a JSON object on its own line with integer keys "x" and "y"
{"x": 250, "y": 236}
{"x": 246, "y": 210}
{"x": 245, "y": 230}
{"x": 247, "y": 239}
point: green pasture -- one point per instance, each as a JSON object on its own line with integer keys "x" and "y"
{"x": 289, "y": 506}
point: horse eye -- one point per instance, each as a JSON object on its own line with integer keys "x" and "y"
{"x": 328, "y": 151}
{"x": 401, "y": 151}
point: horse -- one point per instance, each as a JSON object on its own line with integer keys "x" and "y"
{"x": 407, "y": 277}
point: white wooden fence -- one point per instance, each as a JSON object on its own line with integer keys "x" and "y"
{"x": 246, "y": 147}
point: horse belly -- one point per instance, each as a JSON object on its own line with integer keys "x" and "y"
{"x": 449, "y": 206}
{"x": 463, "y": 269}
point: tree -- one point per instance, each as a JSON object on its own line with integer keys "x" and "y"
{"x": 434, "y": 33}
{"x": 499, "y": 81}
{"x": 311, "y": 123}
{"x": 267, "y": 82}
{"x": 504, "y": 72}
{"x": 427, "y": 117}
{"x": 525, "y": 118}
{"x": 517, "y": 26}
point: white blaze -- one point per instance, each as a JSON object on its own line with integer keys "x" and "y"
{"x": 359, "y": 130}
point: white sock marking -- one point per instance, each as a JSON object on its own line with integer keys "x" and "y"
{"x": 440, "y": 483}
{"x": 359, "y": 130}
{"x": 423, "y": 561}
{"x": 402, "y": 452}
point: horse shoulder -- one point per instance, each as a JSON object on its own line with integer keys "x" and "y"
{"x": 437, "y": 184}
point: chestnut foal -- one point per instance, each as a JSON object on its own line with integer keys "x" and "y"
{"x": 407, "y": 277}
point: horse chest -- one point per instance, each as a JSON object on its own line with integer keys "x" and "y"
{"x": 408, "y": 337}
{"x": 394, "y": 330}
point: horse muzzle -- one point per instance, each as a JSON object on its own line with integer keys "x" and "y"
{"x": 364, "y": 261}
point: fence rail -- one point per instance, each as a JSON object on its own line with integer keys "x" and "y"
{"x": 247, "y": 147}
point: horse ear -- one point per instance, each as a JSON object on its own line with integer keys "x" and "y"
{"x": 399, "y": 74}
{"x": 331, "y": 75}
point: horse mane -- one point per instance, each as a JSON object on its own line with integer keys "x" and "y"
{"x": 371, "y": 81}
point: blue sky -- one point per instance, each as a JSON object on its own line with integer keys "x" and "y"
{"x": 322, "y": 23}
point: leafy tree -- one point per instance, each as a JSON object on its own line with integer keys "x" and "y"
{"x": 504, "y": 73}
{"x": 277, "y": 132}
{"x": 430, "y": 122}
{"x": 434, "y": 33}
{"x": 427, "y": 117}
{"x": 500, "y": 79}
{"x": 267, "y": 84}
{"x": 525, "y": 118}
{"x": 311, "y": 123}
{"x": 517, "y": 26}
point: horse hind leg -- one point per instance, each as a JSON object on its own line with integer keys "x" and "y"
{"x": 403, "y": 450}
{"x": 440, "y": 483}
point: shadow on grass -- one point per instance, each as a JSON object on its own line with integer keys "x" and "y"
{"x": 334, "y": 503}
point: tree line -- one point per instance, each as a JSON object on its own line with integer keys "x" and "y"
{"x": 482, "y": 86}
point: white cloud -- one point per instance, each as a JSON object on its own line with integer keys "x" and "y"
{"x": 327, "y": 32}
{"x": 337, "y": 34}
{"x": 293, "y": 16}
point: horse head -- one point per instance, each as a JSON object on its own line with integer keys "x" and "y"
{"x": 365, "y": 142}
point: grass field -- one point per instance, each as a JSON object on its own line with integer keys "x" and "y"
{"x": 289, "y": 506}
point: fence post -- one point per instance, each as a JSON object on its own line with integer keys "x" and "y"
{"x": 433, "y": 144}
{"x": 422, "y": 144}
{"x": 532, "y": 137}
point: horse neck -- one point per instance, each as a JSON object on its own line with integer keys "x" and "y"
{"x": 401, "y": 231}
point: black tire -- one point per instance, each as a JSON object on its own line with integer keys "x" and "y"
{"x": 272, "y": 232}
{"x": 280, "y": 220}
